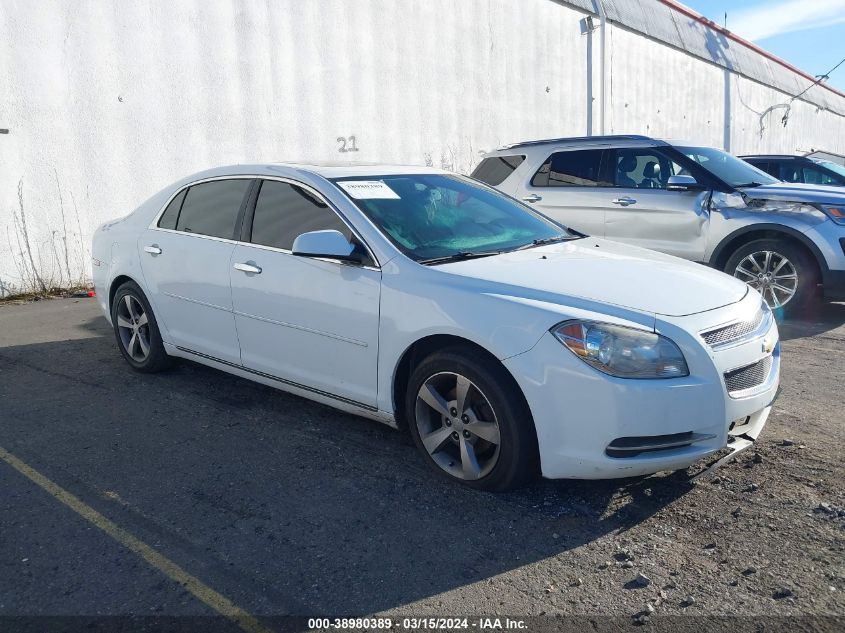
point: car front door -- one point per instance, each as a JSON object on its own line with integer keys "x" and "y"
{"x": 309, "y": 322}
{"x": 568, "y": 188}
{"x": 185, "y": 258}
{"x": 638, "y": 210}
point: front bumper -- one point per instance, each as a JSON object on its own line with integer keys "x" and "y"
{"x": 581, "y": 414}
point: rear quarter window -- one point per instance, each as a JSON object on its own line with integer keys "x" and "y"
{"x": 495, "y": 169}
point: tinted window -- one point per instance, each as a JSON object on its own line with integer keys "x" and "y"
{"x": 496, "y": 169}
{"x": 171, "y": 213}
{"x": 571, "y": 169}
{"x": 212, "y": 208}
{"x": 284, "y": 212}
{"x": 771, "y": 168}
{"x": 789, "y": 171}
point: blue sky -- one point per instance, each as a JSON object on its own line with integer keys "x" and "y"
{"x": 809, "y": 34}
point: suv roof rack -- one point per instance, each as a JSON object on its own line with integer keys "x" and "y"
{"x": 612, "y": 137}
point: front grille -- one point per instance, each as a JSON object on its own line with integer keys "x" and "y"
{"x": 733, "y": 332}
{"x": 749, "y": 376}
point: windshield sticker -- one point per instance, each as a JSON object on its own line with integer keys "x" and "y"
{"x": 368, "y": 190}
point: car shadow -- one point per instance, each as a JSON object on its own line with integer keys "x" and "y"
{"x": 817, "y": 319}
{"x": 293, "y": 507}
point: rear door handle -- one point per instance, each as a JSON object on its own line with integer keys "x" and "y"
{"x": 152, "y": 249}
{"x": 624, "y": 201}
{"x": 533, "y": 198}
{"x": 249, "y": 268}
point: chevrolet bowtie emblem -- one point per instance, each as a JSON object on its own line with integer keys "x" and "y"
{"x": 768, "y": 344}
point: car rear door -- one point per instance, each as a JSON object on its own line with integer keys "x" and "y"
{"x": 567, "y": 187}
{"x": 312, "y": 323}
{"x": 185, "y": 258}
{"x": 638, "y": 209}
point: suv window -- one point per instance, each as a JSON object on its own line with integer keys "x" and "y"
{"x": 579, "y": 168}
{"x": 815, "y": 176}
{"x": 283, "y": 212}
{"x": 770, "y": 167}
{"x": 171, "y": 213}
{"x": 211, "y": 208}
{"x": 496, "y": 169}
{"x": 642, "y": 168}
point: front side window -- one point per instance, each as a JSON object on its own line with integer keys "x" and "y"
{"x": 211, "y": 208}
{"x": 579, "y": 168}
{"x": 815, "y": 176}
{"x": 837, "y": 169}
{"x": 433, "y": 216}
{"x": 642, "y": 168}
{"x": 284, "y": 211}
{"x": 495, "y": 170}
{"x": 729, "y": 169}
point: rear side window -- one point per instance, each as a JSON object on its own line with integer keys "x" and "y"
{"x": 495, "y": 170}
{"x": 580, "y": 168}
{"x": 171, "y": 213}
{"x": 771, "y": 168}
{"x": 284, "y": 211}
{"x": 211, "y": 208}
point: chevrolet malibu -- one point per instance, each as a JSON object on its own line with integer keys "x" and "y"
{"x": 508, "y": 345}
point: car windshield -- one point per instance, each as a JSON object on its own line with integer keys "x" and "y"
{"x": 834, "y": 167}
{"x": 441, "y": 216}
{"x": 730, "y": 169}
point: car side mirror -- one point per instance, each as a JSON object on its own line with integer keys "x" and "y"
{"x": 684, "y": 183}
{"x": 328, "y": 244}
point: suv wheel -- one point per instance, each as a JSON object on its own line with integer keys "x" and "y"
{"x": 470, "y": 422}
{"x": 136, "y": 330}
{"x": 783, "y": 273}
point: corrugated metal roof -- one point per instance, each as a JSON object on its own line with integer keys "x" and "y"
{"x": 680, "y": 27}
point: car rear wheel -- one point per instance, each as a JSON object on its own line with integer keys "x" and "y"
{"x": 470, "y": 422}
{"x": 136, "y": 330}
{"x": 783, "y": 273}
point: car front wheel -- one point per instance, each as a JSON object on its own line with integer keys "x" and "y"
{"x": 783, "y": 273}
{"x": 470, "y": 422}
{"x": 136, "y": 330}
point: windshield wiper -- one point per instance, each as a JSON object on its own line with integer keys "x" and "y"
{"x": 550, "y": 240}
{"x": 454, "y": 257}
{"x": 748, "y": 184}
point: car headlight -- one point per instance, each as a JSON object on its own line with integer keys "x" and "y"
{"x": 622, "y": 351}
{"x": 835, "y": 212}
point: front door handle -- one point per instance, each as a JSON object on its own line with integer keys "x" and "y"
{"x": 533, "y": 198}
{"x": 152, "y": 249}
{"x": 249, "y": 268}
{"x": 624, "y": 201}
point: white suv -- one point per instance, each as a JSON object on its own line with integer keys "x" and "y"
{"x": 699, "y": 203}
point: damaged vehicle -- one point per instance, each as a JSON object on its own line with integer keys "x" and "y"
{"x": 506, "y": 344}
{"x": 786, "y": 240}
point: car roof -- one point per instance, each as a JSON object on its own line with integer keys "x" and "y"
{"x": 325, "y": 170}
{"x": 586, "y": 140}
{"x": 775, "y": 156}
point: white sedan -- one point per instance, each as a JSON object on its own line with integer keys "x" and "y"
{"x": 508, "y": 345}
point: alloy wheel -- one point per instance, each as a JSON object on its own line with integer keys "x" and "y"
{"x": 134, "y": 328}
{"x": 457, "y": 425}
{"x": 770, "y": 273}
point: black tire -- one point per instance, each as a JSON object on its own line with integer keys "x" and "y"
{"x": 156, "y": 359}
{"x": 807, "y": 273}
{"x": 517, "y": 460}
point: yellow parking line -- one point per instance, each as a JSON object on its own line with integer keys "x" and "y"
{"x": 206, "y": 594}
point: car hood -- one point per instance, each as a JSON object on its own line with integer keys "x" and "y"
{"x": 797, "y": 192}
{"x": 607, "y": 272}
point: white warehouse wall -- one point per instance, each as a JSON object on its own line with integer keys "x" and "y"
{"x": 108, "y": 101}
